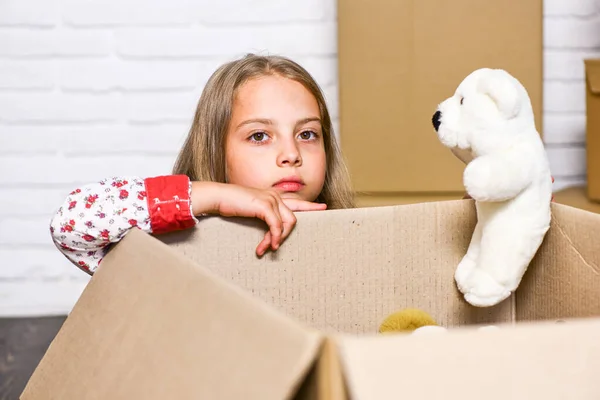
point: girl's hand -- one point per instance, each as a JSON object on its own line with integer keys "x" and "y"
{"x": 292, "y": 205}
{"x": 237, "y": 201}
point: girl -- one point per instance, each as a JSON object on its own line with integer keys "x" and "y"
{"x": 261, "y": 145}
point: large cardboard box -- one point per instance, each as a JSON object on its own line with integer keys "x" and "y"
{"x": 592, "y": 78}
{"x": 196, "y": 315}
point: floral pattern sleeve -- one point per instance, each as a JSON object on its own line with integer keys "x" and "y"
{"x": 97, "y": 215}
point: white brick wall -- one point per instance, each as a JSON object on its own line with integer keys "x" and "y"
{"x": 92, "y": 88}
{"x": 571, "y": 34}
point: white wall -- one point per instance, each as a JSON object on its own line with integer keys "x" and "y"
{"x": 90, "y": 89}
{"x": 571, "y": 33}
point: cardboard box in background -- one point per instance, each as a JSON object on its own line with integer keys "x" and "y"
{"x": 196, "y": 315}
{"x": 397, "y": 60}
{"x": 592, "y": 78}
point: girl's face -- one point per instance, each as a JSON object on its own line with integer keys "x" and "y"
{"x": 275, "y": 139}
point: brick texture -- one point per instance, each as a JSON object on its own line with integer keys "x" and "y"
{"x": 571, "y": 34}
{"x": 93, "y": 88}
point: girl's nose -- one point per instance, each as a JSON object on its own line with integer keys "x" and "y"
{"x": 289, "y": 155}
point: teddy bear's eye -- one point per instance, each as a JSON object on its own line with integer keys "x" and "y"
{"x": 461, "y": 100}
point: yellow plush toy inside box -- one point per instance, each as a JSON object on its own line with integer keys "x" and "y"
{"x": 196, "y": 315}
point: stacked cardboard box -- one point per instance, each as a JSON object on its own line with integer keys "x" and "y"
{"x": 592, "y": 78}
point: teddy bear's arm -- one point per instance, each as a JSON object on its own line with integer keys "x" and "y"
{"x": 497, "y": 177}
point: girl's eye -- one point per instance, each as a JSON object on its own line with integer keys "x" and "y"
{"x": 307, "y": 135}
{"x": 258, "y": 136}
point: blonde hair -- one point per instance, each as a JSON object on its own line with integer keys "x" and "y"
{"x": 202, "y": 157}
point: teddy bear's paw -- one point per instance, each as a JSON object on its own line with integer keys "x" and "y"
{"x": 462, "y": 273}
{"x": 484, "y": 290}
{"x": 477, "y": 178}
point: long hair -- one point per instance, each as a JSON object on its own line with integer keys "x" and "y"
{"x": 202, "y": 157}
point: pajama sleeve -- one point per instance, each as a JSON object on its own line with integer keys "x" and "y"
{"x": 97, "y": 215}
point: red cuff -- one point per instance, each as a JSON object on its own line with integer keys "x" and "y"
{"x": 169, "y": 203}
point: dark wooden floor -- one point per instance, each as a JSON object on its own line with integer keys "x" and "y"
{"x": 23, "y": 342}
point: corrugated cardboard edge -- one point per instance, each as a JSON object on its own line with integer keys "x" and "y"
{"x": 80, "y": 363}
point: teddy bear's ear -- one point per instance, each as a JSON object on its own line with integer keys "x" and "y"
{"x": 499, "y": 86}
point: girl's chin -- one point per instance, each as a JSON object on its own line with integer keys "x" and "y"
{"x": 294, "y": 195}
{"x": 291, "y": 195}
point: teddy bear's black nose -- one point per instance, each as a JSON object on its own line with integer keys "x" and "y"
{"x": 436, "y": 120}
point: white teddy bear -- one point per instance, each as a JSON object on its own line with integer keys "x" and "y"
{"x": 489, "y": 124}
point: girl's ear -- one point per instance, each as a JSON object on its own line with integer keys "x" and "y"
{"x": 499, "y": 86}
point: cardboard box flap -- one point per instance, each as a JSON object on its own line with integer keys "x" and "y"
{"x": 545, "y": 361}
{"x": 347, "y": 270}
{"x": 563, "y": 281}
{"x": 153, "y": 325}
{"x": 326, "y": 380}
{"x": 592, "y": 73}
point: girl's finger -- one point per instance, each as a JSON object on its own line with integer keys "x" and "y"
{"x": 264, "y": 244}
{"x": 270, "y": 214}
{"x": 288, "y": 220}
{"x": 302, "y": 205}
